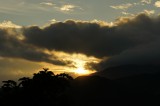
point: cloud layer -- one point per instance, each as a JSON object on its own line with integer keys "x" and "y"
{"x": 157, "y": 3}
{"x": 12, "y": 46}
{"x": 122, "y": 6}
{"x": 128, "y": 41}
{"x": 122, "y": 43}
{"x": 79, "y": 37}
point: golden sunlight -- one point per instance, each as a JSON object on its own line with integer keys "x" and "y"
{"x": 81, "y": 71}
{"x": 78, "y": 66}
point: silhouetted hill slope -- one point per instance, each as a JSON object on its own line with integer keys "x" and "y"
{"x": 91, "y": 90}
{"x": 127, "y": 70}
{"x": 137, "y": 90}
{"x": 148, "y": 83}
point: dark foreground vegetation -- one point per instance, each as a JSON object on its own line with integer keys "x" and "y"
{"x": 44, "y": 89}
{"x": 47, "y": 89}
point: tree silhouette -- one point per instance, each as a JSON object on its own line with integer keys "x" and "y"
{"x": 44, "y": 88}
{"x": 24, "y": 82}
{"x": 9, "y": 85}
{"x": 66, "y": 76}
{"x": 43, "y": 75}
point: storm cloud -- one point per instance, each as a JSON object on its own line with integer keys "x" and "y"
{"x": 11, "y": 46}
{"x": 129, "y": 40}
{"x": 80, "y": 37}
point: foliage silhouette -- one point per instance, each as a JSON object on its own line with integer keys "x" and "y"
{"x": 9, "y": 85}
{"x": 24, "y": 82}
{"x": 45, "y": 88}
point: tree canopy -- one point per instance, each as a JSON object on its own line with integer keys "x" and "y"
{"x": 44, "y": 88}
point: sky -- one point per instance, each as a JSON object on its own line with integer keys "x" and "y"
{"x": 76, "y": 36}
{"x": 40, "y": 12}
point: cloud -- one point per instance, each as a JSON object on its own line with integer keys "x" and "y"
{"x": 142, "y": 3}
{"x": 146, "y": 12}
{"x": 128, "y": 14}
{"x": 146, "y": 1}
{"x": 13, "y": 47}
{"x": 67, "y": 7}
{"x": 149, "y": 12}
{"x": 71, "y": 36}
{"x": 122, "y": 6}
{"x": 157, "y": 4}
{"x": 129, "y": 38}
{"x": 90, "y": 38}
{"x": 53, "y": 20}
{"x": 47, "y": 3}
{"x": 9, "y": 24}
{"x": 142, "y": 54}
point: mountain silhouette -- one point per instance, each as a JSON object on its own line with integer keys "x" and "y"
{"x": 127, "y": 71}
{"x": 139, "y": 88}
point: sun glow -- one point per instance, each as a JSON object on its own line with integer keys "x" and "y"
{"x": 78, "y": 65}
{"x": 81, "y": 71}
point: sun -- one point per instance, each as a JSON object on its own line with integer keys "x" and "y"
{"x": 82, "y": 71}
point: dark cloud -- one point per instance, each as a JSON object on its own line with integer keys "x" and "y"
{"x": 79, "y": 37}
{"x": 11, "y": 46}
{"x": 144, "y": 54}
{"x": 131, "y": 40}
{"x": 145, "y": 32}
